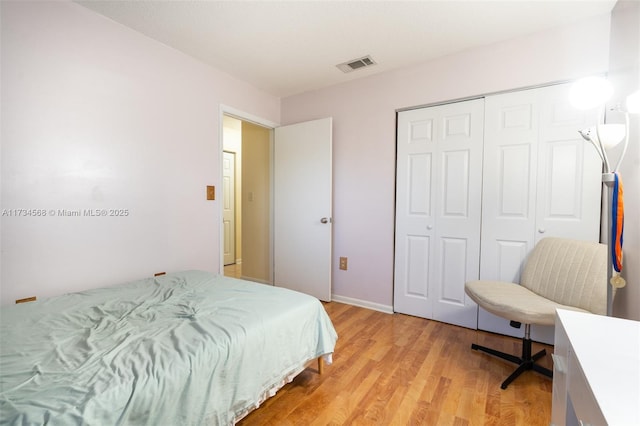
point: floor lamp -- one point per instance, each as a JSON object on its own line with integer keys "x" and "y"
{"x": 589, "y": 93}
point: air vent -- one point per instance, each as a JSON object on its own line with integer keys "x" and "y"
{"x": 356, "y": 64}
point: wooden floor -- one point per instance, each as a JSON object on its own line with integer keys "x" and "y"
{"x": 402, "y": 370}
{"x": 234, "y": 270}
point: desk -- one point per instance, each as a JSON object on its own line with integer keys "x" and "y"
{"x": 596, "y": 370}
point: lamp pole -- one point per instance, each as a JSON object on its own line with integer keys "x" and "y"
{"x": 608, "y": 179}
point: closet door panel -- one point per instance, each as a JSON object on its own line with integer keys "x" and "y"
{"x": 438, "y": 212}
{"x": 509, "y": 179}
{"x": 540, "y": 179}
{"x": 569, "y": 188}
{"x": 508, "y": 258}
{"x": 419, "y": 186}
{"x": 459, "y": 211}
{"x": 414, "y": 246}
{"x": 513, "y": 184}
{"x": 511, "y": 256}
{"x": 417, "y": 267}
{"x": 455, "y": 180}
{"x": 568, "y": 176}
{"x": 452, "y": 305}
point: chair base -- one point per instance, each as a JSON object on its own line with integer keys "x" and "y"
{"x": 526, "y": 362}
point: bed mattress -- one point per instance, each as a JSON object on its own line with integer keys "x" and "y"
{"x": 189, "y": 348}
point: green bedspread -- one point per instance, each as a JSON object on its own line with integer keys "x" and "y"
{"x": 188, "y": 348}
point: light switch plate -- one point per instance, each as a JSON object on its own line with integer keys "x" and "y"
{"x": 343, "y": 263}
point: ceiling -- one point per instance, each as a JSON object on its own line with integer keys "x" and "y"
{"x": 290, "y": 47}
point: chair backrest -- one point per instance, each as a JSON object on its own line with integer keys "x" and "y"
{"x": 569, "y": 272}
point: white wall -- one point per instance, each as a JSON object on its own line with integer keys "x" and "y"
{"x": 364, "y": 133}
{"x": 97, "y": 116}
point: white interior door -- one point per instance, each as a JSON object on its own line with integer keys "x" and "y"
{"x": 228, "y": 207}
{"x": 438, "y": 202}
{"x": 303, "y": 207}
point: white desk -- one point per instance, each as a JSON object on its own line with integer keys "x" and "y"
{"x": 596, "y": 370}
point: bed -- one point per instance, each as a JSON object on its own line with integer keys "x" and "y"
{"x": 188, "y": 348}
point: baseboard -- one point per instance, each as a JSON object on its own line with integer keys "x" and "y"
{"x": 362, "y": 303}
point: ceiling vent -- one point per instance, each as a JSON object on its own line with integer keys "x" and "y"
{"x": 356, "y": 64}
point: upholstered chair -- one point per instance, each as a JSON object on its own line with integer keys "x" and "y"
{"x": 558, "y": 274}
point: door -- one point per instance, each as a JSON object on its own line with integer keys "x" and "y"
{"x": 303, "y": 207}
{"x": 228, "y": 207}
{"x": 540, "y": 179}
{"x": 569, "y": 170}
{"x": 438, "y": 200}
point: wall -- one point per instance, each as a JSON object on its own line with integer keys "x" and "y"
{"x": 256, "y": 203}
{"x": 625, "y": 75}
{"x": 363, "y": 114}
{"x": 96, "y": 116}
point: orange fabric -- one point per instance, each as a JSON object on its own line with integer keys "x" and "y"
{"x": 618, "y": 223}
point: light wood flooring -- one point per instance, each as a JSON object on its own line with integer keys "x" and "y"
{"x": 234, "y": 270}
{"x": 402, "y": 370}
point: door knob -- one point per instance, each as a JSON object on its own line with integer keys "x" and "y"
{"x": 324, "y": 220}
{"x": 541, "y": 230}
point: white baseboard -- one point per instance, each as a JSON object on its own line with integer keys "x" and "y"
{"x": 362, "y": 303}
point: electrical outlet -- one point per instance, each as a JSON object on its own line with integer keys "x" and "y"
{"x": 343, "y": 263}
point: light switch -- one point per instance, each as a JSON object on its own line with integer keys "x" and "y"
{"x": 211, "y": 192}
{"x": 343, "y": 263}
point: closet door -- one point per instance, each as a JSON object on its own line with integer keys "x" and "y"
{"x": 569, "y": 170}
{"x": 540, "y": 179}
{"x": 438, "y": 201}
{"x": 509, "y": 192}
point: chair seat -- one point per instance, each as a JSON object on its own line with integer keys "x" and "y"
{"x": 514, "y": 302}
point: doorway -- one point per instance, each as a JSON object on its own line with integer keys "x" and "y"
{"x": 247, "y": 192}
{"x": 298, "y": 219}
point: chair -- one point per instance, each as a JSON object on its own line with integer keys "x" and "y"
{"x": 559, "y": 274}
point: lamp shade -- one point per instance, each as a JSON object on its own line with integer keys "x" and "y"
{"x": 590, "y": 92}
{"x": 633, "y": 103}
{"x": 609, "y": 134}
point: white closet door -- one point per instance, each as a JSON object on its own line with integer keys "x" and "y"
{"x": 569, "y": 176}
{"x": 540, "y": 179}
{"x": 569, "y": 173}
{"x": 509, "y": 195}
{"x": 415, "y": 242}
{"x": 438, "y": 211}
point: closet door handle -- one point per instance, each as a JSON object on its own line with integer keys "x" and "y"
{"x": 429, "y": 227}
{"x": 541, "y": 230}
{"x": 324, "y": 220}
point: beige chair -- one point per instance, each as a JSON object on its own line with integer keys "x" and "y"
{"x": 559, "y": 274}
